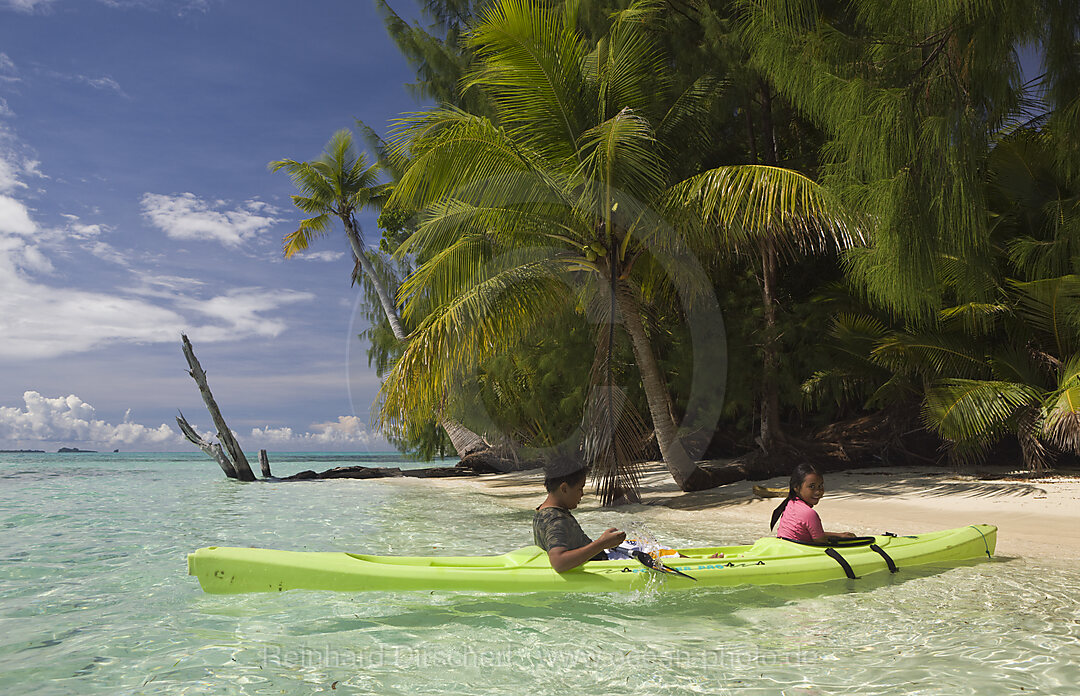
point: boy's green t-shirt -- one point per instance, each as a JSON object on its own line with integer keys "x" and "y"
{"x": 555, "y": 526}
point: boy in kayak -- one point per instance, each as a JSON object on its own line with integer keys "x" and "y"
{"x": 798, "y": 521}
{"x": 556, "y": 531}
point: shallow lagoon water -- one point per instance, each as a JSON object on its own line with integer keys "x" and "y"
{"x": 94, "y": 599}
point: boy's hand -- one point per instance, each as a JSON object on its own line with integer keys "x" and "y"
{"x": 611, "y": 538}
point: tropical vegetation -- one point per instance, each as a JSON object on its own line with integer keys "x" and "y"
{"x": 877, "y": 199}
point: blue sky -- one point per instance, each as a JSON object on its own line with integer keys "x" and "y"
{"x": 135, "y": 203}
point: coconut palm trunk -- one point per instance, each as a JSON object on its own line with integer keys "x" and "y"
{"x": 770, "y": 431}
{"x": 770, "y": 390}
{"x": 686, "y": 473}
{"x": 352, "y": 231}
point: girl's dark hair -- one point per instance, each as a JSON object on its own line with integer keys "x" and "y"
{"x": 797, "y": 477}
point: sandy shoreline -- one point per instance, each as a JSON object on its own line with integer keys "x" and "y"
{"x": 1037, "y": 519}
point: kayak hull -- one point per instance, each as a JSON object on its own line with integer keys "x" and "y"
{"x": 769, "y": 561}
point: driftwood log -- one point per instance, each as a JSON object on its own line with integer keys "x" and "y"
{"x": 212, "y": 449}
{"x": 369, "y": 472}
{"x": 240, "y": 467}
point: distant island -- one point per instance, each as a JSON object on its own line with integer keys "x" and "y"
{"x": 22, "y": 451}
{"x": 74, "y": 450}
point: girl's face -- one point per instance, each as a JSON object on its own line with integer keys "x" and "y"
{"x": 811, "y": 490}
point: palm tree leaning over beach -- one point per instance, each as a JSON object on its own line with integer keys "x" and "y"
{"x": 569, "y": 194}
{"x": 338, "y": 185}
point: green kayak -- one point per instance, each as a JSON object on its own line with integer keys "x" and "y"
{"x": 769, "y": 561}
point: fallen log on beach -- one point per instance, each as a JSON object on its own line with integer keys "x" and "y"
{"x": 370, "y": 472}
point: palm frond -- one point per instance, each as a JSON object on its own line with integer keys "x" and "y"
{"x": 932, "y": 355}
{"x": 1061, "y": 410}
{"x": 453, "y": 151}
{"x": 531, "y": 67}
{"x": 858, "y": 378}
{"x": 534, "y": 224}
{"x": 615, "y": 436}
{"x": 307, "y": 178}
{"x": 309, "y": 229}
{"x": 630, "y": 70}
{"x": 446, "y": 274}
{"x": 972, "y": 414}
{"x": 1016, "y": 363}
{"x": 977, "y": 319}
{"x": 741, "y": 204}
{"x": 620, "y": 154}
{"x": 1050, "y": 307}
{"x": 489, "y": 317}
{"x": 688, "y": 116}
{"x": 388, "y": 159}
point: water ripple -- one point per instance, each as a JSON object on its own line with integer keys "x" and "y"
{"x": 93, "y": 586}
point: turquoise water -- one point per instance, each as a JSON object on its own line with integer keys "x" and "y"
{"x": 94, "y": 599}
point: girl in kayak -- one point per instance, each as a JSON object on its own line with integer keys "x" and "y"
{"x": 798, "y": 521}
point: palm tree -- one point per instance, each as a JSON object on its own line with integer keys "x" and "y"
{"x": 567, "y": 196}
{"x": 338, "y": 185}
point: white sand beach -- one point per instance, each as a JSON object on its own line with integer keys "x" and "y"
{"x": 1037, "y": 518}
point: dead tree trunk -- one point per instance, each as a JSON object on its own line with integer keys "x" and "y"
{"x": 212, "y": 449}
{"x": 264, "y": 464}
{"x": 228, "y": 442}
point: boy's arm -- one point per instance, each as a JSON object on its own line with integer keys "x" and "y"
{"x": 564, "y": 559}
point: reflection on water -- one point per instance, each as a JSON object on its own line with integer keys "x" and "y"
{"x": 94, "y": 591}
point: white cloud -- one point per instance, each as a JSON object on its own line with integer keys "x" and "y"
{"x": 347, "y": 430}
{"x": 9, "y": 178}
{"x": 70, "y": 419}
{"x": 5, "y": 110}
{"x": 14, "y": 216}
{"x": 43, "y": 321}
{"x": 323, "y": 256}
{"x": 22, "y": 255}
{"x": 83, "y": 231}
{"x": 25, "y": 5}
{"x": 102, "y": 83}
{"x": 32, "y": 167}
{"x": 171, "y": 284}
{"x": 187, "y": 217}
{"x": 40, "y": 321}
{"x": 180, "y": 7}
{"x": 8, "y": 71}
{"x": 241, "y": 312}
{"x": 107, "y": 252}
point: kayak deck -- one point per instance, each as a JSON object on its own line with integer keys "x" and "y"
{"x": 229, "y": 570}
